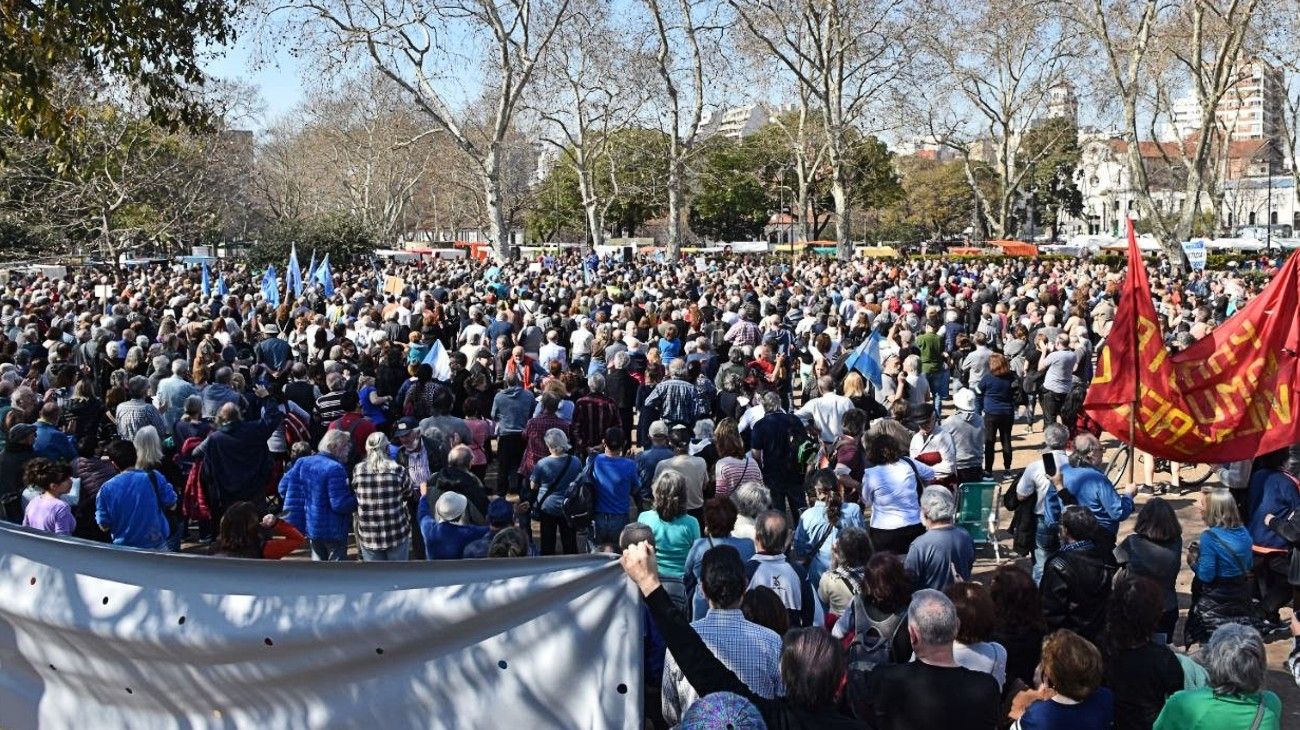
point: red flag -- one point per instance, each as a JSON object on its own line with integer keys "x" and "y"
{"x": 1228, "y": 397}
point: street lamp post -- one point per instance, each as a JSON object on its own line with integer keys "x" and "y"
{"x": 1268, "y": 215}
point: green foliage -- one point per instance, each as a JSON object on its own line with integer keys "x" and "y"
{"x": 873, "y": 181}
{"x": 557, "y": 207}
{"x": 340, "y": 235}
{"x": 935, "y": 201}
{"x": 731, "y": 202}
{"x": 153, "y": 45}
{"x": 1053, "y": 153}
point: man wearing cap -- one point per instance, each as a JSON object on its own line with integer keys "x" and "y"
{"x": 273, "y": 351}
{"x": 500, "y": 515}
{"x": 692, "y": 468}
{"x": 966, "y": 428}
{"x": 444, "y": 537}
{"x": 17, "y": 452}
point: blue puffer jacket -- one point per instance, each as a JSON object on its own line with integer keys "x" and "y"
{"x": 316, "y": 497}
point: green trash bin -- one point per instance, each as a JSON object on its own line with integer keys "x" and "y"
{"x": 974, "y": 506}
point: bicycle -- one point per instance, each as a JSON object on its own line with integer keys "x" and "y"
{"x": 1190, "y": 475}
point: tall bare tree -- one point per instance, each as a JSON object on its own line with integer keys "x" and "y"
{"x": 984, "y": 94}
{"x": 685, "y": 35}
{"x": 444, "y": 55}
{"x": 588, "y": 89}
{"x": 847, "y": 54}
{"x": 1142, "y": 41}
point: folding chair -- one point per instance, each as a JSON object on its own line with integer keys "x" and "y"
{"x": 977, "y": 513}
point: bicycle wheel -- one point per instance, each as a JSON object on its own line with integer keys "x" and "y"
{"x": 1194, "y": 475}
{"x": 1117, "y": 469}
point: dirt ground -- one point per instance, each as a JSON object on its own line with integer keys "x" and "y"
{"x": 1027, "y": 445}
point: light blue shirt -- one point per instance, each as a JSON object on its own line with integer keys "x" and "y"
{"x": 814, "y": 527}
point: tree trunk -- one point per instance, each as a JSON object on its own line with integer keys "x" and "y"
{"x": 840, "y": 193}
{"x": 498, "y": 235}
{"x": 674, "y": 222}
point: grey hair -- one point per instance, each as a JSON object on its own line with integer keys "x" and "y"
{"x": 148, "y": 448}
{"x": 751, "y": 498}
{"x": 1235, "y": 660}
{"x": 772, "y": 531}
{"x": 771, "y": 401}
{"x": 180, "y": 367}
{"x": 938, "y": 505}
{"x": 194, "y": 405}
{"x": 677, "y": 368}
{"x": 1055, "y": 437}
{"x": 460, "y": 456}
{"x": 934, "y": 617}
{"x": 556, "y": 440}
{"x": 336, "y": 443}
{"x": 1086, "y": 447}
{"x": 596, "y": 383}
{"x": 704, "y": 428}
{"x": 160, "y": 363}
{"x": 377, "y": 450}
{"x": 912, "y": 363}
{"x": 138, "y": 387}
{"x": 621, "y": 359}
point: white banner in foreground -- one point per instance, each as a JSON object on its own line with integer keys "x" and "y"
{"x": 92, "y": 636}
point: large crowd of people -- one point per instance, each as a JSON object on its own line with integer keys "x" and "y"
{"x": 787, "y": 502}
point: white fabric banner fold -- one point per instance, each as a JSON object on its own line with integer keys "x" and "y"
{"x": 93, "y": 636}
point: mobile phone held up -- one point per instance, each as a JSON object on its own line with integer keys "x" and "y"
{"x": 1049, "y": 464}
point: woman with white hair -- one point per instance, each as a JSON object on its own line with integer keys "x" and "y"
{"x": 149, "y": 457}
{"x": 1235, "y": 661}
{"x": 752, "y": 499}
{"x": 549, "y": 482}
{"x": 382, "y": 487}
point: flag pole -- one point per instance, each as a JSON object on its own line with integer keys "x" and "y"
{"x": 1137, "y": 370}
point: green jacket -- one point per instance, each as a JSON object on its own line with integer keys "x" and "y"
{"x": 1201, "y": 709}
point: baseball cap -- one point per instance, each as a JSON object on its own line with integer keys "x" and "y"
{"x": 405, "y": 427}
{"x": 659, "y": 428}
{"x": 500, "y": 513}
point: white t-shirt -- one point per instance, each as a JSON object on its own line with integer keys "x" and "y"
{"x": 890, "y": 490}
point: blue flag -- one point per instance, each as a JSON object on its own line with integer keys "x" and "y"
{"x": 222, "y": 289}
{"x": 295, "y": 272}
{"x": 325, "y": 276}
{"x": 271, "y": 286}
{"x": 311, "y": 269}
{"x": 866, "y": 359}
{"x": 439, "y": 360}
{"x": 207, "y": 282}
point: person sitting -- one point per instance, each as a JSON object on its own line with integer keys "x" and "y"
{"x": 770, "y": 567}
{"x": 976, "y": 617}
{"x": 719, "y": 520}
{"x": 50, "y": 511}
{"x": 1076, "y": 581}
{"x": 904, "y": 695}
{"x": 245, "y": 533}
{"x": 1070, "y": 696}
{"x": 945, "y": 554}
{"x": 751, "y": 651}
{"x": 1220, "y": 562}
{"x": 446, "y": 537}
{"x": 1235, "y": 660}
{"x": 1140, "y": 671}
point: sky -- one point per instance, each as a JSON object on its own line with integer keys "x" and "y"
{"x": 276, "y": 74}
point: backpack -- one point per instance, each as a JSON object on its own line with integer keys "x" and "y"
{"x": 295, "y": 429}
{"x": 579, "y": 498}
{"x": 873, "y": 644}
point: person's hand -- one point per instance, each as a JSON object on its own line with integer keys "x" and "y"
{"x": 424, "y": 489}
{"x": 639, "y": 563}
{"x": 269, "y": 521}
{"x": 260, "y": 391}
{"x": 1058, "y": 480}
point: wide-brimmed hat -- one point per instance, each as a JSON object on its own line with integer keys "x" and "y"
{"x": 451, "y": 506}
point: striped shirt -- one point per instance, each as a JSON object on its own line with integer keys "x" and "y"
{"x": 731, "y": 472}
{"x": 751, "y": 651}
{"x": 134, "y": 415}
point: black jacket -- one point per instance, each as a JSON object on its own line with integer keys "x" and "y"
{"x": 1075, "y": 588}
{"x": 12, "y": 460}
